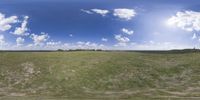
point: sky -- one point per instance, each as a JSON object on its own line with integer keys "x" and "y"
{"x": 99, "y": 24}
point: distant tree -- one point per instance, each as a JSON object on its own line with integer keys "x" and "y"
{"x": 60, "y": 50}
{"x": 98, "y": 49}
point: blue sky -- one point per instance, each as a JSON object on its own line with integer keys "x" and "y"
{"x": 104, "y": 24}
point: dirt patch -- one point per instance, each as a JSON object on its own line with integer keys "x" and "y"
{"x": 29, "y": 69}
{"x": 17, "y": 94}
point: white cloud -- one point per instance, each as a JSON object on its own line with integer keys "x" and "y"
{"x": 5, "y": 23}
{"x": 39, "y": 39}
{"x": 122, "y": 39}
{"x": 71, "y": 35}
{"x": 83, "y": 45}
{"x": 151, "y": 42}
{"x": 30, "y": 45}
{"x": 194, "y": 36}
{"x": 188, "y": 20}
{"x": 129, "y": 32}
{"x": 2, "y": 40}
{"x": 87, "y": 11}
{"x": 53, "y": 43}
{"x": 120, "y": 44}
{"x": 100, "y": 11}
{"x": 19, "y": 41}
{"x": 104, "y": 39}
{"x": 152, "y": 45}
{"x": 124, "y": 13}
{"x": 22, "y": 31}
{"x": 87, "y": 45}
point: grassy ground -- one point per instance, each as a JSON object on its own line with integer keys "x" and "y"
{"x": 99, "y": 75}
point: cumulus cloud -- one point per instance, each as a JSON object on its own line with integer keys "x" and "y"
{"x": 53, "y": 43}
{"x": 19, "y": 41}
{"x": 152, "y": 45}
{"x": 120, "y": 44}
{"x": 87, "y": 11}
{"x": 187, "y": 20}
{"x": 76, "y": 45}
{"x": 5, "y": 22}
{"x": 102, "y": 12}
{"x": 88, "y": 45}
{"x": 104, "y": 39}
{"x": 22, "y": 31}
{"x": 39, "y": 39}
{"x": 71, "y": 35}
{"x": 129, "y": 32}
{"x": 194, "y": 36}
{"x": 122, "y": 39}
{"x": 2, "y": 40}
{"x": 124, "y": 13}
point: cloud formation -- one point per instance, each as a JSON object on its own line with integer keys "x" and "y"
{"x": 5, "y": 23}
{"x": 129, "y": 32}
{"x": 124, "y": 13}
{"x": 22, "y": 31}
{"x": 87, "y": 45}
{"x": 87, "y": 11}
{"x": 39, "y": 39}
{"x": 104, "y": 39}
{"x": 122, "y": 40}
{"x": 2, "y": 40}
{"x": 70, "y": 35}
{"x": 152, "y": 45}
{"x": 101, "y": 12}
{"x": 187, "y": 20}
{"x": 53, "y": 43}
{"x": 194, "y": 36}
{"x": 19, "y": 41}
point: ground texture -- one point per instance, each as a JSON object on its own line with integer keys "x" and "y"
{"x": 99, "y": 75}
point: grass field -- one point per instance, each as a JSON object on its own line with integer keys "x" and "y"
{"x": 99, "y": 75}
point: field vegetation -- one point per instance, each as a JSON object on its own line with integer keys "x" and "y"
{"x": 99, "y": 75}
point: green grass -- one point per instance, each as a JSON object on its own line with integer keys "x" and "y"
{"x": 99, "y": 75}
